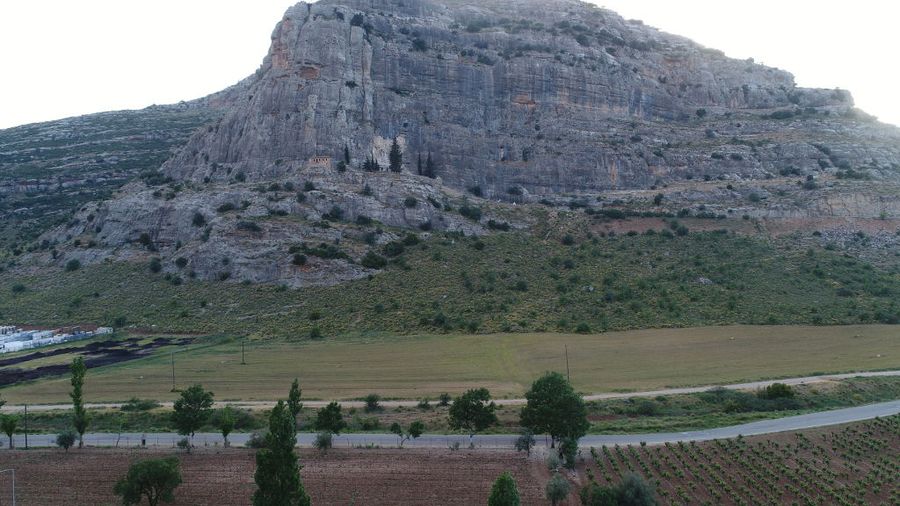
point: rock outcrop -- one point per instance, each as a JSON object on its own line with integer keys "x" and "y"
{"x": 548, "y": 97}
{"x": 512, "y": 100}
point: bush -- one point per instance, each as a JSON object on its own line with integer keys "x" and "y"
{"x": 583, "y": 328}
{"x": 557, "y": 489}
{"x": 181, "y": 262}
{"x": 777, "y": 391}
{"x": 394, "y": 248}
{"x": 199, "y": 220}
{"x": 299, "y": 259}
{"x": 18, "y": 288}
{"x": 373, "y": 260}
{"x": 495, "y": 225}
{"x": 155, "y": 265}
{"x": 66, "y": 439}
{"x": 410, "y": 202}
{"x": 372, "y": 403}
{"x": 257, "y": 440}
{"x": 471, "y": 212}
{"x": 324, "y": 441}
{"x": 315, "y": 333}
{"x": 134, "y": 404}
{"x": 73, "y": 265}
{"x": 249, "y": 226}
{"x": 444, "y": 399}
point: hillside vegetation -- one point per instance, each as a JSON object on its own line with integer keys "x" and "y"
{"x": 509, "y": 282}
{"x": 49, "y": 170}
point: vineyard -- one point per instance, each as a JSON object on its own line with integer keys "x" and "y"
{"x": 855, "y": 465}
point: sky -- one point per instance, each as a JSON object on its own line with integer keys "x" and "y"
{"x": 61, "y": 58}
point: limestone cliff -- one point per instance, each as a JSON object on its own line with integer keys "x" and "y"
{"x": 546, "y": 96}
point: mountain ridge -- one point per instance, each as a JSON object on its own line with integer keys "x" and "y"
{"x": 491, "y": 105}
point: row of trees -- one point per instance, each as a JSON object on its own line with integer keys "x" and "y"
{"x": 395, "y": 161}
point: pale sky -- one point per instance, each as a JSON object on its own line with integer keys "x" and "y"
{"x": 63, "y": 58}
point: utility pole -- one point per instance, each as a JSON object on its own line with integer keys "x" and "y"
{"x": 568, "y": 378}
{"x": 243, "y": 362}
{"x": 173, "y": 370}
{"x": 26, "y": 430}
{"x": 13, "y": 471}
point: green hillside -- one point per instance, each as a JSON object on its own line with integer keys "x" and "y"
{"x": 510, "y": 282}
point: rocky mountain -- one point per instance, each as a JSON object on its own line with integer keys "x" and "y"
{"x": 546, "y": 97}
{"x": 474, "y": 102}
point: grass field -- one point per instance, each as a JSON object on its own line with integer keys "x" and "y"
{"x": 425, "y": 366}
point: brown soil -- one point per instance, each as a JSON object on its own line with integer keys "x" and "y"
{"x": 225, "y": 477}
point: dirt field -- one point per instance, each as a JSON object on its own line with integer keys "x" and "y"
{"x": 851, "y": 464}
{"x": 222, "y": 478}
{"x": 424, "y": 366}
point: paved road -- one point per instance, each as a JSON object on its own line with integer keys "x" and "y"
{"x": 12, "y": 408}
{"x": 812, "y": 420}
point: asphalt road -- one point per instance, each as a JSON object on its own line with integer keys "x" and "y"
{"x": 14, "y": 408}
{"x": 821, "y": 419}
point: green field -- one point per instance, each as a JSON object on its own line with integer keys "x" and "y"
{"x": 424, "y": 366}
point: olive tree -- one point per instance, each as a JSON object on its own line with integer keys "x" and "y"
{"x": 154, "y": 479}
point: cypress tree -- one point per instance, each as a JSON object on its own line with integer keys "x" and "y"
{"x": 429, "y": 167}
{"x": 396, "y": 157}
{"x": 277, "y": 466}
{"x": 80, "y": 419}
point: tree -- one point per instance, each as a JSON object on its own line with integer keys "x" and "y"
{"x": 419, "y": 165}
{"x": 192, "y": 410}
{"x": 429, "y": 167}
{"x": 346, "y": 155}
{"x": 293, "y": 403}
{"x": 473, "y": 411}
{"x": 226, "y": 424}
{"x": 634, "y": 491}
{"x": 568, "y": 450}
{"x": 330, "y": 418}
{"x": 371, "y": 165}
{"x": 66, "y": 439}
{"x": 9, "y": 424}
{"x": 277, "y": 466}
{"x": 396, "y": 157}
{"x": 525, "y": 442}
{"x": 80, "y": 419}
{"x": 155, "y": 479}
{"x": 413, "y": 432}
{"x": 554, "y": 408}
{"x": 596, "y": 495}
{"x": 504, "y": 491}
{"x": 557, "y": 489}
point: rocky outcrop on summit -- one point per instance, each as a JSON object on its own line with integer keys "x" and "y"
{"x": 545, "y": 97}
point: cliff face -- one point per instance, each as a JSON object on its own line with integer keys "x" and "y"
{"x": 548, "y": 97}
{"x": 525, "y": 100}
